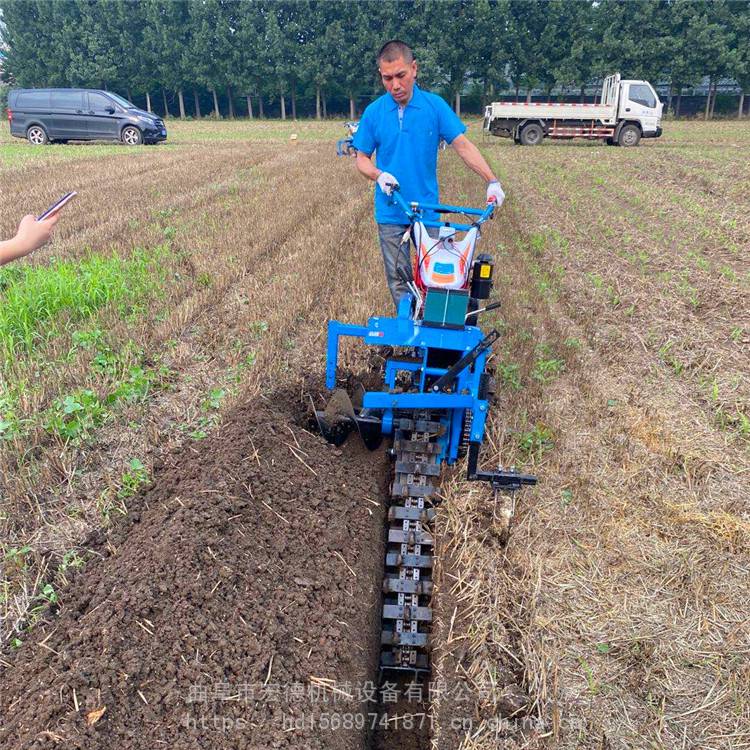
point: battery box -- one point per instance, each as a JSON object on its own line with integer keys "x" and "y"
{"x": 446, "y": 308}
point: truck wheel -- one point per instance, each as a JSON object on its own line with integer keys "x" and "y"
{"x": 131, "y": 136}
{"x": 630, "y": 135}
{"x": 37, "y": 135}
{"x": 532, "y": 134}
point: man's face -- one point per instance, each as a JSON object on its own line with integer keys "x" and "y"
{"x": 398, "y": 78}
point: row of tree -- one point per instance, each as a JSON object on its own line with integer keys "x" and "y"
{"x": 282, "y": 51}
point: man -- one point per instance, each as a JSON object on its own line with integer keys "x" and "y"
{"x": 31, "y": 235}
{"x": 404, "y": 127}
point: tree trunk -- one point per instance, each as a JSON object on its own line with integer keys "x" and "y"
{"x": 182, "y": 104}
{"x": 261, "y": 113}
{"x": 148, "y": 102}
{"x": 217, "y": 114}
{"x": 317, "y": 102}
{"x": 249, "y": 107}
{"x": 669, "y": 98}
{"x": 517, "y": 87}
{"x": 528, "y": 96}
{"x": 708, "y": 100}
{"x": 742, "y": 105}
{"x": 713, "y": 99}
{"x": 166, "y": 108}
{"x": 294, "y": 101}
{"x": 679, "y": 101}
{"x": 323, "y": 101}
{"x": 583, "y": 93}
{"x": 196, "y": 103}
{"x": 353, "y": 108}
{"x": 231, "y": 103}
{"x": 283, "y": 105}
{"x": 130, "y": 96}
{"x": 457, "y": 104}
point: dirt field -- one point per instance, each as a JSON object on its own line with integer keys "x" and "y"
{"x": 177, "y": 548}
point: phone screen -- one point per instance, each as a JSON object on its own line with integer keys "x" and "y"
{"x": 55, "y": 207}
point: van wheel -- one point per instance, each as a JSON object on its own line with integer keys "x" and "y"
{"x": 37, "y": 135}
{"x": 630, "y": 135}
{"x": 131, "y": 136}
{"x": 532, "y": 134}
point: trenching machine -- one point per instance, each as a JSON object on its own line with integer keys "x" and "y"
{"x": 345, "y": 146}
{"x": 434, "y": 404}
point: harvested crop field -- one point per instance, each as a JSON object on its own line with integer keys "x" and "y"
{"x": 179, "y": 549}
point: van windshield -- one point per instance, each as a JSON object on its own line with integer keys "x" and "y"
{"x": 122, "y": 102}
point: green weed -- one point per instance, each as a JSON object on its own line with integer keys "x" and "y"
{"x": 71, "y": 559}
{"x": 546, "y": 370}
{"x": 15, "y": 557}
{"x": 214, "y": 399}
{"x": 670, "y": 359}
{"x": 74, "y": 417}
{"x": 204, "y": 279}
{"x": 10, "y": 425}
{"x": 108, "y": 503}
{"x": 132, "y": 479}
{"x": 134, "y": 388}
{"x": 258, "y": 327}
{"x": 510, "y": 372}
{"x": 536, "y": 441}
{"x": 594, "y": 687}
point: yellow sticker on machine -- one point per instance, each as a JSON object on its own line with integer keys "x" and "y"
{"x": 484, "y": 271}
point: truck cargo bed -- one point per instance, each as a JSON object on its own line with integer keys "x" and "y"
{"x": 551, "y": 111}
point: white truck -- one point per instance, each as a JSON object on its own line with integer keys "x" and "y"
{"x": 626, "y": 112}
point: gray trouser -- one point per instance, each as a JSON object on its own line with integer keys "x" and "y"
{"x": 396, "y": 254}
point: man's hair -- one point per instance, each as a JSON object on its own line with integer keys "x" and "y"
{"x": 395, "y": 50}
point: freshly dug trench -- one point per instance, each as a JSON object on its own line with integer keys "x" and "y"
{"x": 215, "y": 614}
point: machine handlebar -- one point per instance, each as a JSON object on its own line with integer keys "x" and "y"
{"x": 413, "y": 211}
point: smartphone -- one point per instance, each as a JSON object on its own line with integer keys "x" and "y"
{"x": 55, "y": 207}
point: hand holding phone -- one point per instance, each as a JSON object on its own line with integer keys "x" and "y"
{"x": 55, "y": 207}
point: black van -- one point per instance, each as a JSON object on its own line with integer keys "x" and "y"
{"x": 44, "y": 115}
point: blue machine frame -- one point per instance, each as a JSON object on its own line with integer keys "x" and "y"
{"x": 404, "y": 331}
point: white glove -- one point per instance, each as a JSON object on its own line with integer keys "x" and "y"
{"x": 387, "y": 182}
{"x": 495, "y": 193}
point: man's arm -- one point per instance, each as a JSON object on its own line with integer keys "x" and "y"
{"x": 386, "y": 180}
{"x": 472, "y": 158}
{"x": 366, "y": 167}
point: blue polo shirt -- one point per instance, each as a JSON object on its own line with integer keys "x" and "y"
{"x": 407, "y": 147}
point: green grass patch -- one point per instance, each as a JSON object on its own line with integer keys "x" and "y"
{"x": 34, "y": 299}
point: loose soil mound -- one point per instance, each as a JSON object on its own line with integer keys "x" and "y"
{"x": 247, "y": 573}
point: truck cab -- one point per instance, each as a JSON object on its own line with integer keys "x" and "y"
{"x": 638, "y": 101}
